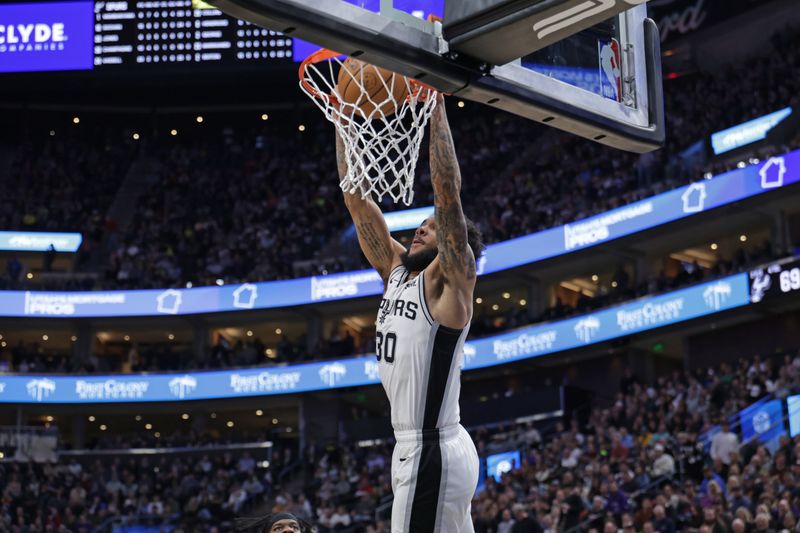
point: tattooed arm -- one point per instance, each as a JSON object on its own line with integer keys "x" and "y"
{"x": 381, "y": 250}
{"x": 452, "y": 276}
{"x": 455, "y": 256}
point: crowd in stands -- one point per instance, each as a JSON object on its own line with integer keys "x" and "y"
{"x": 640, "y": 464}
{"x": 202, "y": 492}
{"x": 261, "y": 204}
{"x": 649, "y": 459}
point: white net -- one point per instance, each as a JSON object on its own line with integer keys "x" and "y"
{"x": 381, "y": 120}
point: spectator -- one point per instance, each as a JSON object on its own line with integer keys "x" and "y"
{"x": 724, "y": 444}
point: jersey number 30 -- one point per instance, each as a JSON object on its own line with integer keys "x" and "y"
{"x": 385, "y": 346}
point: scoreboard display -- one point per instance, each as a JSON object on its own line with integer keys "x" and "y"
{"x": 179, "y": 31}
{"x": 131, "y": 34}
{"x": 775, "y": 279}
{"x": 105, "y": 36}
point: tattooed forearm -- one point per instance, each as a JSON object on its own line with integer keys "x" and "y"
{"x": 341, "y": 160}
{"x": 375, "y": 248}
{"x": 455, "y": 255}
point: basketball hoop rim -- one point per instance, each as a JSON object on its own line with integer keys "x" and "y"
{"x": 323, "y": 54}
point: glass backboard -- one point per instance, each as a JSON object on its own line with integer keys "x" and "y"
{"x": 603, "y": 83}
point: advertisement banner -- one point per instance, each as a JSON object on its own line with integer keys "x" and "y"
{"x": 762, "y": 420}
{"x": 46, "y": 36}
{"x": 676, "y": 18}
{"x": 39, "y": 241}
{"x": 634, "y": 317}
{"x": 774, "y": 173}
{"x": 747, "y": 132}
{"x": 542, "y": 339}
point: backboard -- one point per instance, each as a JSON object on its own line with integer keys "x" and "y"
{"x": 603, "y": 83}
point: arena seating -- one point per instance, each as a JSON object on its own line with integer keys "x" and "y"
{"x": 222, "y": 206}
{"x": 635, "y": 462}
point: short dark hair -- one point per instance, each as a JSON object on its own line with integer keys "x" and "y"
{"x": 474, "y": 238}
{"x": 264, "y": 523}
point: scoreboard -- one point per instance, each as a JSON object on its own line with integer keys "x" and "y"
{"x": 108, "y": 36}
{"x": 131, "y": 34}
{"x": 179, "y": 31}
{"x": 782, "y": 277}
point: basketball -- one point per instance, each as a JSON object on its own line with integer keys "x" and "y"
{"x": 367, "y": 86}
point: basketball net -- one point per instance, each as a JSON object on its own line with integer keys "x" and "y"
{"x": 382, "y": 146}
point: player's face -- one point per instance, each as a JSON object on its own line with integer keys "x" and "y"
{"x": 424, "y": 237}
{"x": 285, "y": 526}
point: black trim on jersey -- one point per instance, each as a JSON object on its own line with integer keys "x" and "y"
{"x": 442, "y": 353}
{"x": 425, "y": 312}
{"x": 426, "y": 490}
{"x": 389, "y": 277}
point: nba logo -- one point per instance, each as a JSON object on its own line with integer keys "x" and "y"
{"x": 610, "y": 73}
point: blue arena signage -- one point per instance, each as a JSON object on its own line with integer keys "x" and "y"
{"x": 534, "y": 341}
{"x": 747, "y": 132}
{"x": 774, "y": 173}
{"x": 46, "y": 36}
{"x": 38, "y": 241}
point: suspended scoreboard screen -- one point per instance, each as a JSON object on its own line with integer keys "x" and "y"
{"x": 119, "y": 35}
{"x": 179, "y": 31}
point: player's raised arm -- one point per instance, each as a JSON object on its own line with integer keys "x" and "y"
{"x": 456, "y": 258}
{"x": 381, "y": 250}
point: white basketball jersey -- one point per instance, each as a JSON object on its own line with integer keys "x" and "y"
{"x": 419, "y": 359}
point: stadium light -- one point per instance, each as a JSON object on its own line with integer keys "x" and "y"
{"x": 52, "y": 133}
{"x": 103, "y": 427}
{"x": 274, "y": 420}
{"x": 479, "y": 300}
{"x": 92, "y": 418}
{"x": 506, "y": 295}
{"x": 523, "y": 302}
{"x": 45, "y": 337}
{"x": 138, "y": 418}
{"x": 76, "y": 120}
{"x": 259, "y": 412}
{"x": 148, "y": 426}
{"x": 199, "y": 119}
{"x": 264, "y": 116}
{"x": 495, "y": 307}
{"x": 185, "y": 416}
{"x": 127, "y": 338}
{"x": 173, "y": 132}
{"x": 743, "y": 238}
{"x": 73, "y": 338}
{"x": 229, "y": 423}
{"x": 29, "y": 275}
{"x": 461, "y": 103}
{"x": 135, "y": 136}
{"x": 714, "y": 246}
{"x": 171, "y": 336}
{"x": 278, "y": 331}
{"x": 249, "y": 332}
{"x": 301, "y": 128}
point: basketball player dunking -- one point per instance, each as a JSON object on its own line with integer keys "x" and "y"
{"x": 422, "y": 323}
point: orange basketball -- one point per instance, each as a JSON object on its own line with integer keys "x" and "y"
{"x": 376, "y": 82}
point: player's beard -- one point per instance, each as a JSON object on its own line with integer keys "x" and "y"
{"x": 418, "y": 261}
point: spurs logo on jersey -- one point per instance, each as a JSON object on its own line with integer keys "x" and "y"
{"x": 419, "y": 360}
